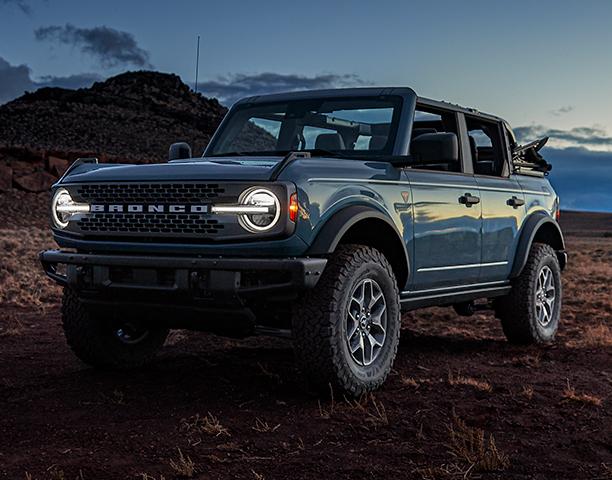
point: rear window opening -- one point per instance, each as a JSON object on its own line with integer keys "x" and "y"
{"x": 486, "y": 146}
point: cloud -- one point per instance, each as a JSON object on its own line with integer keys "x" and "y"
{"x": 111, "y": 47}
{"x": 21, "y": 4}
{"x": 590, "y": 137}
{"x": 562, "y": 110}
{"x": 16, "y": 79}
{"x": 229, "y": 89}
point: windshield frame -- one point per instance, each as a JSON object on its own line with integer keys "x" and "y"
{"x": 395, "y": 101}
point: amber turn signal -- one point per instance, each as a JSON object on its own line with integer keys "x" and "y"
{"x": 293, "y": 207}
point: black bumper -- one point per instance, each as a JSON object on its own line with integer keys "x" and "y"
{"x": 196, "y": 276}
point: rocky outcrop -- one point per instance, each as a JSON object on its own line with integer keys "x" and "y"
{"x": 39, "y": 181}
{"x": 131, "y": 117}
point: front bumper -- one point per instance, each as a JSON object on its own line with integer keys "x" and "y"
{"x": 199, "y": 277}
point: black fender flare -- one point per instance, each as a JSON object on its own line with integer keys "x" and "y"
{"x": 330, "y": 235}
{"x": 530, "y": 229}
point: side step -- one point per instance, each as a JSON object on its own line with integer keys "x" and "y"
{"x": 451, "y": 295}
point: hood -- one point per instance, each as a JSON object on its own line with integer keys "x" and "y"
{"x": 240, "y": 168}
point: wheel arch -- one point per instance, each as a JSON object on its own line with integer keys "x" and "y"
{"x": 540, "y": 228}
{"x": 367, "y": 226}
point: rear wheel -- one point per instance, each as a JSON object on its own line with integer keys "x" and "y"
{"x": 113, "y": 339}
{"x": 346, "y": 330}
{"x": 531, "y": 312}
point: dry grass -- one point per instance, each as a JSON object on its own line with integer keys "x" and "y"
{"x": 21, "y": 276}
{"x": 373, "y": 411}
{"x": 570, "y": 395}
{"x": 56, "y": 473}
{"x": 481, "y": 385}
{"x": 183, "y": 466}
{"x": 471, "y": 446}
{"x": 324, "y": 412}
{"x": 11, "y": 327}
{"x": 262, "y": 426}
{"x": 410, "y": 382}
{"x": 257, "y": 476}
{"x": 593, "y": 336}
{"x": 274, "y": 377}
{"x": 527, "y": 360}
{"x": 209, "y": 425}
{"x": 146, "y": 476}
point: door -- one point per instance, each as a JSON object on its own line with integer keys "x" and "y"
{"x": 502, "y": 199}
{"x": 446, "y": 246}
{"x": 503, "y": 212}
{"x": 447, "y": 222}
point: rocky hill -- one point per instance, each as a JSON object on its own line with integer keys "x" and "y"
{"x": 134, "y": 116}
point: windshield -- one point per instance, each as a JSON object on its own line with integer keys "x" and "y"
{"x": 360, "y": 126}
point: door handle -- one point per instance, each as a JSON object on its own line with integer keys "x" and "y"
{"x": 515, "y": 202}
{"x": 468, "y": 200}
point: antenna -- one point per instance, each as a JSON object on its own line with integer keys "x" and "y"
{"x": 197, "y": 64}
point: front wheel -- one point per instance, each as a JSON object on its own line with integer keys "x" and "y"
{"x": 113, "y": 339}
{"x": 346, "y": 330}
{"x": 530, "y": 313}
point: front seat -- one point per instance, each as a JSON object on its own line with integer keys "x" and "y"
{"x": 329, "y": 141}
{"x": 377, "y": 142}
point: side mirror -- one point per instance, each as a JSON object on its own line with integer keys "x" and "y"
{"x": 434, "y": 148}
{"x": 179, "y": 151}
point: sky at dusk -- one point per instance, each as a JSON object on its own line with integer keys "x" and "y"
{"x": 545, "y": 66}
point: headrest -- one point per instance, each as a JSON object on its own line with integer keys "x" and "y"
{"x": 420, "y": 131}
{"x": 473, "y": 148}
{"x": 329, "y": 141}
{"x": 436, "y": 148}
{"x": 377, "y": 142}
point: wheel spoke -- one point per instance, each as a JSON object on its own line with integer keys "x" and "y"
{"x": 363, "y": 351}
{"x": 366, "y": 322}
{"x": 374, "y": 341}
{"x": 376, "y": 297}
{"x": 359, "y": 295}
{"x": 545, "y": 296}
{"x": 353, "y": 327}
{"x": 355, "y": 344}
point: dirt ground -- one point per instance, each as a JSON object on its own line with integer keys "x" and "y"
{"x": 460, "y": 403}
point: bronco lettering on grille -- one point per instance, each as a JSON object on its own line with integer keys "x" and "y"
{"x": 139, "y": 208}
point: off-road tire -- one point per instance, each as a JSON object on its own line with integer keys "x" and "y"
{"x": 517, "y": 310}
{"x": 90, "y": 335}
{"x": 319, "y": 326}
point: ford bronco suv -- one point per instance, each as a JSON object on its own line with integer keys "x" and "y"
{"x": 319, "y": 216}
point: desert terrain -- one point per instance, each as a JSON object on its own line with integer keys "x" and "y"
{"x": 460, "y": 403}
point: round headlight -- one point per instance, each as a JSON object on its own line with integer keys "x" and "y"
{"x": 63, "y": 207}
{"x": 259, "y": 222}
{"x": 61, "y": 199}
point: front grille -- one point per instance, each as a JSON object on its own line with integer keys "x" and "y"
{"x": 166, "y": 212}
{"x": 149, "y": 192}
{"x": 157, "y": 223}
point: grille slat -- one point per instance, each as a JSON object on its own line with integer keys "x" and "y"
{"x": 150, "y": 223}
{"x": 184, "y": 193}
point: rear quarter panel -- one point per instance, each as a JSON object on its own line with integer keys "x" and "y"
{"x": 539, "y": 194}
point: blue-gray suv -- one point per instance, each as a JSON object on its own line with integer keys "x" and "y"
{"x": 318, "y": 216}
